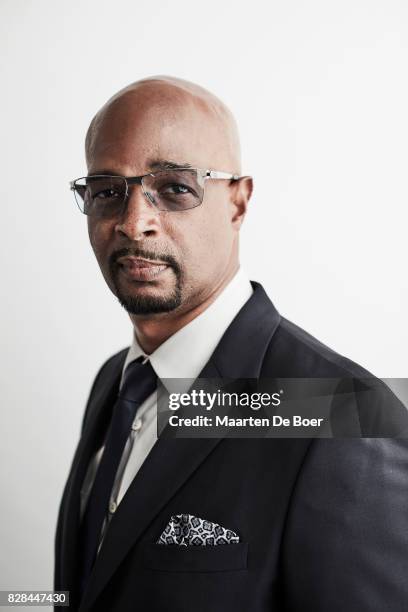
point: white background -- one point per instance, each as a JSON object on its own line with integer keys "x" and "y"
{"x": 319, "y": 89}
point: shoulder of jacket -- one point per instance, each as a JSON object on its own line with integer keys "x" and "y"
{"x": 298, "y": 353}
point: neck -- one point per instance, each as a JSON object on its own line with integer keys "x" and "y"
{"x": 151, "y": 332}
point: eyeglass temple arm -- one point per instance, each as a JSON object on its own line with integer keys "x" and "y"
{"x": 214, "y": 174}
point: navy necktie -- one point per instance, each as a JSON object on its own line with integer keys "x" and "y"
{"x": 139, "y": 382}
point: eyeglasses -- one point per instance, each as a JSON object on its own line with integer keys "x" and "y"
{"x": 172, "y": 190}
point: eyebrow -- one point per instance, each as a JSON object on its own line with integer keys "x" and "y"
{"x": 166, "y": 164}
{"x": 154, "y": 164}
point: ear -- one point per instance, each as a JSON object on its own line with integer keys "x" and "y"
{"x": 241, "y": 191}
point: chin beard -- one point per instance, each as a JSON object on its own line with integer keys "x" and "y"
{"x": 149, "y": 304}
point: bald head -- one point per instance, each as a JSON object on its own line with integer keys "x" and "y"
{"x": 177, "y": 110}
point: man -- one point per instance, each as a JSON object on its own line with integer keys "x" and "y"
{"x": 305, "y": 524}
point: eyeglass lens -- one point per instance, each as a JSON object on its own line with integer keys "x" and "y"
{"x": 172, "y": 190}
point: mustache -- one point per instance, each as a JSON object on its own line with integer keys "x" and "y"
{"x": 145, "y": 254}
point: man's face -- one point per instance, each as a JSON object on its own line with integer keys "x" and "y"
{"x": 159, "y": 261}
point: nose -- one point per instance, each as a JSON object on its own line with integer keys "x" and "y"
{"x": 139, "y": 218}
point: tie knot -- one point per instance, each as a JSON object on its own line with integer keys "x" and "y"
{"x": 139, "y": 381}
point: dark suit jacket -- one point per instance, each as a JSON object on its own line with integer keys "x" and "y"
{"x": 323, "y": 523}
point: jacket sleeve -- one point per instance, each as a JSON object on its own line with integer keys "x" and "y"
{"x": 345, "y": 545}
{"x": 104, "y": 370}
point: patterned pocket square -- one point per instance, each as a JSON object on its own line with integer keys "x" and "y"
{"x": 187, "y": 530}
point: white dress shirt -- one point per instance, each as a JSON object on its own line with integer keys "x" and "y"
{"x": 183, "y": 355}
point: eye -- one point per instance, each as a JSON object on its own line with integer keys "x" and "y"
{"x": 106, "y": 194}
{"x": 175, "y": 189}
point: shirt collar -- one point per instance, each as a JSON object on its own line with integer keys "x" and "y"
{"x": 186, "y": 352}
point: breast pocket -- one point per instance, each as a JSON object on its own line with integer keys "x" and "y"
{"x": 173, "y": 558}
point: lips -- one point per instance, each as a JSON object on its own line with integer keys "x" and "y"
{"x": 139, "y": 269}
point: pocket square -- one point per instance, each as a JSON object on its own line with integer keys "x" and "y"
{"x": 187, "y": 530}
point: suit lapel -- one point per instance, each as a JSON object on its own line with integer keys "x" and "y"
{"x": 171, "y": 462}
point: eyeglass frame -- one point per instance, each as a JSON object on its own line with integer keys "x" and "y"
{"x": 137, "y": 180}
